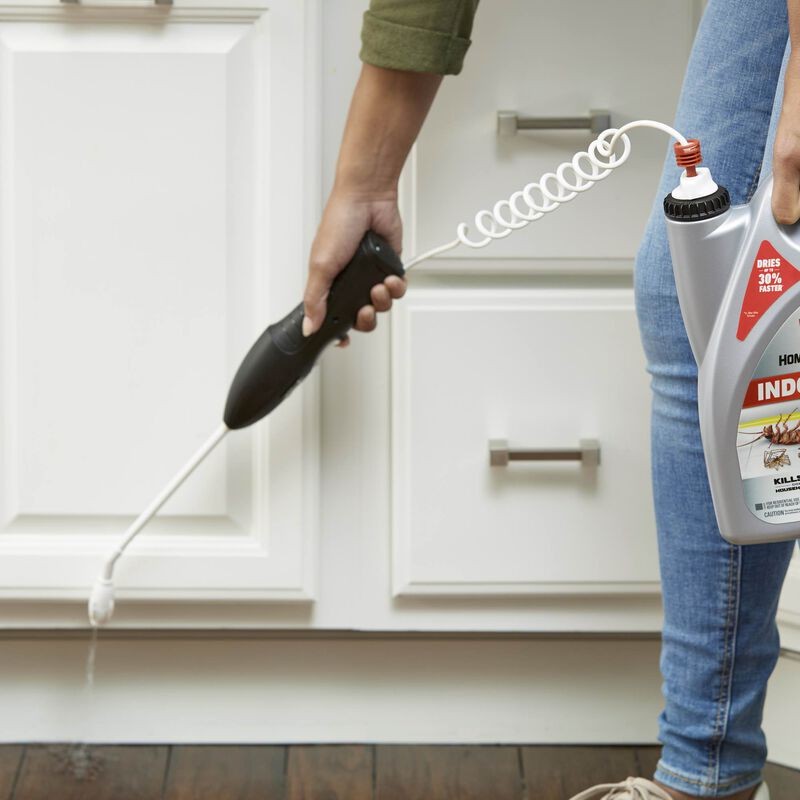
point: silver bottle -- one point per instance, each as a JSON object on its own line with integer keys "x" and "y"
{"x": 737, "y": 273}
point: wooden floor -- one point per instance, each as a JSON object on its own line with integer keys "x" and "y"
{"x": 330, "y": 772}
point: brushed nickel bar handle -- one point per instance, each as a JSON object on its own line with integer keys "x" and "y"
{"x": 509, "y": 122}
{"x": 587, "y": 452}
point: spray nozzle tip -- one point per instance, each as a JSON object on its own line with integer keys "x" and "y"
{"x": 101, "y": 602}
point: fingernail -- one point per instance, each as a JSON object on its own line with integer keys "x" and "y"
{"x": 307, "y": 326}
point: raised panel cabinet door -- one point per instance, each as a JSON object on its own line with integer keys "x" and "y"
{"x": 156, "y": 168}
{"x": 544, "y": 60}
{"x": 542, "y": 369}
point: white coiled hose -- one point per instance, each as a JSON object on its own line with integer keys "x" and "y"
{"x": 552, "y": 190}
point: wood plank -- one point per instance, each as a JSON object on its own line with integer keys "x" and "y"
{"x": 122, "y": 773}
{"x": 10, "y": 756}
{"x": 784, "y": 783}
{"x": 327, "y": 772}
{"x": 443, "y": 772}
{"x": 402, "y": 772}
{"x": 554, "y": 773}
{"x": 647, "y": 759}
{"x": 226, "y": 773}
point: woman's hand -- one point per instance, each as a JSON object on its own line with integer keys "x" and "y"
{"x": 349, "y": 214}
{"x": 386, "y": 114}
{"x": 786, "y": 154}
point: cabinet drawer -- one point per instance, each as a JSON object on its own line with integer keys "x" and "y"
{"x": 541, "y": 368}
{"x": 545, "y": 59}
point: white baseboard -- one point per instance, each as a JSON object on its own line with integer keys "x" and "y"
{"x": 331, "y": 690}
{"x": 377, "y": 689}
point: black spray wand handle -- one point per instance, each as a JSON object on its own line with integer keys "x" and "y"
{"x": 282, "y": 356}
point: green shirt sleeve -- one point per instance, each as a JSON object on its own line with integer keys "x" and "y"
{"x": 418, "y": 35}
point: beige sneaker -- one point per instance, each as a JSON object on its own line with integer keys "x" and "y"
{"x": 629, "y": 789}
{"x": 641, "y": 789}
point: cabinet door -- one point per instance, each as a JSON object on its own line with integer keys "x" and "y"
{"x": 157, "y": 164}
{"x": 542, "y": 369}
{"x": 544, "y": 59}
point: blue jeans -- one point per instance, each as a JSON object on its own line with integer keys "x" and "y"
{"x": 720, "y": 641}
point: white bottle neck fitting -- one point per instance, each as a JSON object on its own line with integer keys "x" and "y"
{"x": 701, "y": 185}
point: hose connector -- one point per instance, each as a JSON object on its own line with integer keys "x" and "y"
{"x": 688, "y": 156}
{"x": 697, "y": 196}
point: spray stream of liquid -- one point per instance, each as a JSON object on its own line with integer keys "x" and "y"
{"x": 91, "y": 657}
{"x": 78, "y": 760}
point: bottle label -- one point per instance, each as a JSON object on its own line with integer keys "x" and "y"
{"x": 770, "y": 277}
{"x": 768, "y": 437}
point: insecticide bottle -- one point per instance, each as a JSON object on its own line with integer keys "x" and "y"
{"x": 737, "y": 273}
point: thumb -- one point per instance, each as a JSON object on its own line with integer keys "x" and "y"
{"x": 314, "y": 299}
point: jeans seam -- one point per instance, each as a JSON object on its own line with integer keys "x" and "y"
{"x": 704, "y": 784}
{"x": 754, "y": 183}
{"x": 726, "y": 672}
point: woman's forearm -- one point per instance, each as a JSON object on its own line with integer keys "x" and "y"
{"x": 386, "y": 114}
{"x": 385, "y": 117}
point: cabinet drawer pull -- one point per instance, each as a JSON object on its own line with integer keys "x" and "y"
{"x": 509, "y": 122}
{"x": 587, "y": 452}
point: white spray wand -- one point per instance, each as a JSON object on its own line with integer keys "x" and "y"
{"x": 101, "y": 602}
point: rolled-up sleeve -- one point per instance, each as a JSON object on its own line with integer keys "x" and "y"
{"x": 418, "y": 35}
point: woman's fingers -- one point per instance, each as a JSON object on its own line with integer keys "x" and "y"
{"x": 786, "y": 190}
{"x": 396, "y": 286}
{"x": 366, "y": 320}
{"x": 381, "y": 295}
{"x": 381, "y": 299}
{"x": 786, "y": 155}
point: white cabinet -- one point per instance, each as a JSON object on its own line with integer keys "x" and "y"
{"x": 542, "y": 369}
{"x": 154, "y": 215}
{"x": 161, "y": 182}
